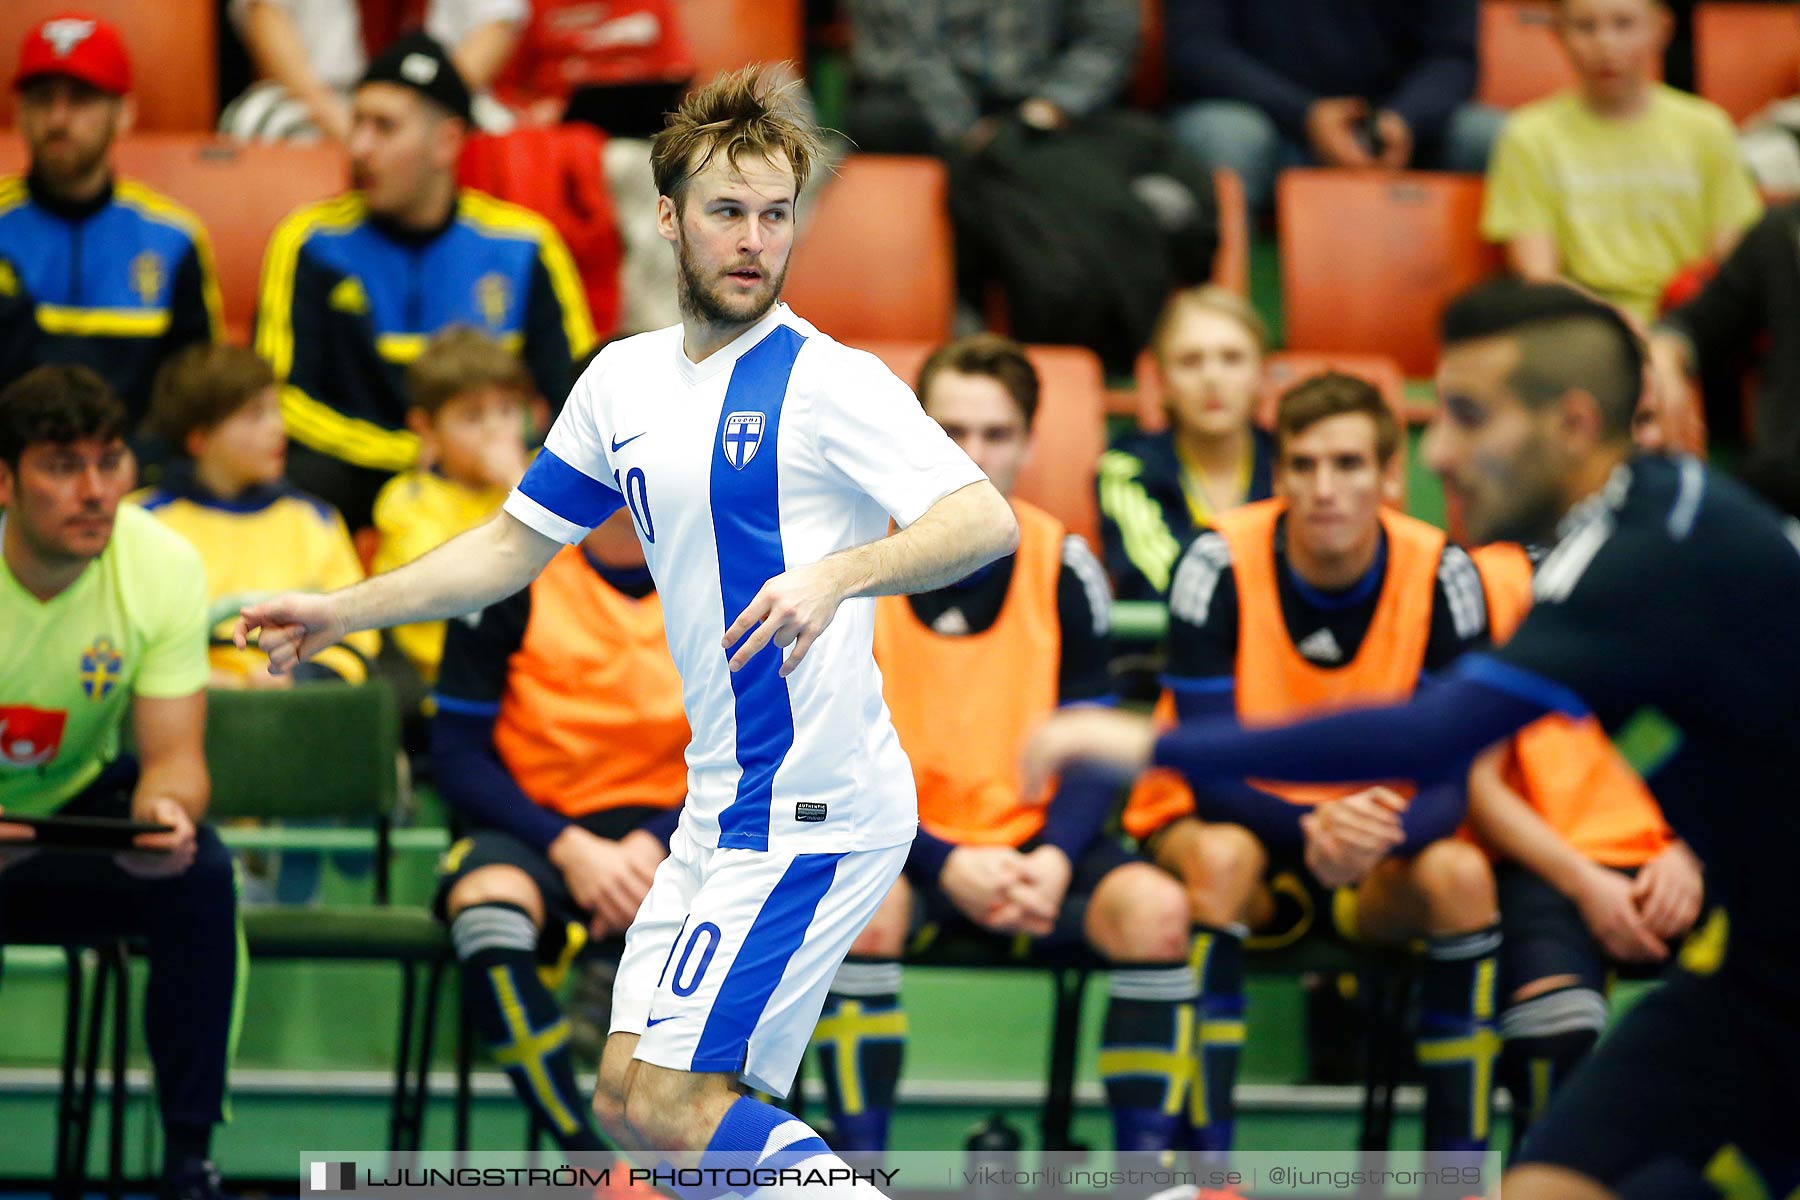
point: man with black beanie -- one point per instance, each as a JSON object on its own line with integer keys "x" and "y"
{"x": 355, "y": 286}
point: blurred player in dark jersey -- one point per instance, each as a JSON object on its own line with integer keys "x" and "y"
{"x": 1670, "y": 610}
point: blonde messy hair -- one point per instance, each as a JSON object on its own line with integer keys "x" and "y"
{"x": 746, "y": 112}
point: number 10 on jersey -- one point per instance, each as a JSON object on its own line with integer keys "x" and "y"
{"x": 636, "y": 491}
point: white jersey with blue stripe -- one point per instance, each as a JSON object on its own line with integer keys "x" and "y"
{"x": 776, "y": 451}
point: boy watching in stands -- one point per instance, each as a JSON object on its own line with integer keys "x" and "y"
{"x": 217, "y": 408}
{"x": 470, "y": 397}
{"x": 1622, "y": 182}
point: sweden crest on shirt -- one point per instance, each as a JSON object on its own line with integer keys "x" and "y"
{"x": 147, "y": 277}
{"x": 742, "y": 437}
{"x": 101, "y": 668}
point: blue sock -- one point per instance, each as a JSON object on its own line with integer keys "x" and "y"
{"x": 1218, "y": 962}
{"x": 860, "y": 1042}
{"x": 520, "y": 1020}
{"x": 1457, "y": 1038}
{"x": 1145, "y": 1056}
{"x": 1544, "y": 1040}
{"x": 742, "y": 1141}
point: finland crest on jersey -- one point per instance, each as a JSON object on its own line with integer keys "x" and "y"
{"x": 741, "y": 437}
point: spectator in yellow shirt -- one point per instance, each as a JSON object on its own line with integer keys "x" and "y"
{"x": 218, "y": 410}
{"x": 469, "y": 405}
{"x": 1622, "y": 182}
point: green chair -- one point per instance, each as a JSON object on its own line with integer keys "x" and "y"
{"x": 331, "y": 751}
{"x": 1392, "y": 975}
{"x": 83, "y": 1027}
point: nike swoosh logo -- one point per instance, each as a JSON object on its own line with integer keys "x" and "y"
{"x": 653, "y": 1022}
{"x": 618, "y": 445}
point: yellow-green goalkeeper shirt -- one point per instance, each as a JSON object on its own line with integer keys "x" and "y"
{"x": 134, "y": 623}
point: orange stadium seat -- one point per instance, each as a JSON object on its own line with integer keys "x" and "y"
{"x": 1285, "y": 368}
{"x": 1069, "y": 433}
{"x": 727, "y": 34}
{"x": 874, "y": 261}
{"x": 173, "y": 45}
{"x": 1746, "y": 55}
{"x": 1519, "y": 56}
{"x": 1368, "y": 260}
{"x": 239, "y": 192}
{"x": 1231, "y": 262}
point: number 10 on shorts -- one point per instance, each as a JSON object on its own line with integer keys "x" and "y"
{"x": 688, "y": 973}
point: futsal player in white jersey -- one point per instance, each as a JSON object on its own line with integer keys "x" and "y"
{"x": 761, "y": 462}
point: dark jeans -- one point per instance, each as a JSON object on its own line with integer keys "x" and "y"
{"x": 1230, "y": 133}
{"x": 187, "y": 923}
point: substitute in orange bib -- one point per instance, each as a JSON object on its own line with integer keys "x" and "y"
{"x": 968, "y": 671}
{"x": 1589, "y": 874}
{"x": 560, "y": 737}
{"x": 1316, "y": 599}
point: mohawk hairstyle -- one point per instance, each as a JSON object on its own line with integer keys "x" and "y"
{"x": 749, "y": 112}
{"x": 1567, "y": 340}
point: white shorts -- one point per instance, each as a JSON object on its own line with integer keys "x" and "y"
{"x": 727, "y": 964}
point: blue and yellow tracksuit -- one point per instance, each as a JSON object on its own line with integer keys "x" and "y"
{"x": 1149, "y": 512}
{"x": 117, "y": 283}
{"x": 348, "y": 300}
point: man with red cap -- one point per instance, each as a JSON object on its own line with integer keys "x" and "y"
{"x": 95, "y": 270}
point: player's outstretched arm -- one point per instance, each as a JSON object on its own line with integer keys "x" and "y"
{"x": 469, "y": 572}
{"x": 967, "y": 529}
{"x": 1438, "y": 731}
